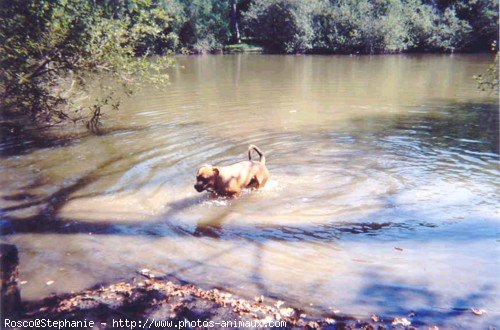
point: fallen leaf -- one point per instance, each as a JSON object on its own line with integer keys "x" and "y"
{"x": 287, "y": 312}
{"x": 329, "y": 320}
{"x": 478, "y": 312}
{"x": 23, "y": 282}
{"x": 313, "y": 325}
{"x": 49, "y": 282}
{"x": 147, "y": 273}
{"x": 403, "y": 321}
{"x": 375, "y": 318}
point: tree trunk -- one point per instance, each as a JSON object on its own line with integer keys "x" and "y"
{"x": 234, "y": 23}
{"x": 10, "y": 297}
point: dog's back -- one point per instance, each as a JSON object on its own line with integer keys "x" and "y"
{"x": 230, "y": 180}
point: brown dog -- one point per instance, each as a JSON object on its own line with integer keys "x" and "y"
{"x": 230, "y": 180}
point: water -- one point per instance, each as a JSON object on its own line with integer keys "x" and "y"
{"x": 383, "y": 195}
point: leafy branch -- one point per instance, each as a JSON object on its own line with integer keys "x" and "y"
{"x": 51, "y": 50}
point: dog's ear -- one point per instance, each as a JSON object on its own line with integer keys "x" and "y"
{"x": 216, "y": 171}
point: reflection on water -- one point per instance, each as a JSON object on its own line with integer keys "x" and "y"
{"x": 366, "y": 154}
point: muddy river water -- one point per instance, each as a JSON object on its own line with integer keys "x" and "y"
{"x": 383, "y": 195}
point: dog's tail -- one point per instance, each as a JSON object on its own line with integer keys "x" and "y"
{"x": 257, "y": 150}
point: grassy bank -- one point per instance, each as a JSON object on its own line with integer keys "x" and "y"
{"x": 243, "y": 48}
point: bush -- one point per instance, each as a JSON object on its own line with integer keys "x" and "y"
{"x": 281, "y": 25}
{"x": 206, "y": 44}
{"x": 342, "y": 26}
{"x": 350, "y": 26}
{"x": 482, "y": 17}
{"x": 450, "y": 34}
{"x": 387, "y": 26}
{"x": 433, "y": 30}
{"x": 489, "y": 80}
{"x": 206, "y": 24}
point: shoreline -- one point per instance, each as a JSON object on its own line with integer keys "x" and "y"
{"x": 257, "y": 48}
{"x": 155, "y": 299}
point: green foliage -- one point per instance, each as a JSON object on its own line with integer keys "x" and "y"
{"x": 372, "y": 26}
{"x": 282, "y": 25}
{"x": 51, "y": 49}
{"x": 449, "y": 34}
{"x": 243, "y": 48}
{"x": 489, "y": 81}
{"x": 482, "y": 16}
{"x": 206, "y": 25}
{"x": 360, "y": 26}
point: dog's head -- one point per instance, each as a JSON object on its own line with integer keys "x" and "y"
{"x": 205, "y": 178}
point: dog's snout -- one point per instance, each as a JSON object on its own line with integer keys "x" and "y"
{"x": 198, "y": 188}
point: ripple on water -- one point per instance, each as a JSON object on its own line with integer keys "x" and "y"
{"x": 357, "y": 169}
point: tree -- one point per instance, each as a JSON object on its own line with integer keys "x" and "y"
{"x": 282, "y": 25}
{"x": 206, "y": 27}
{"x": 52, "y": 49}
{"x": 235, "y": 30}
